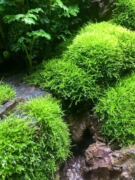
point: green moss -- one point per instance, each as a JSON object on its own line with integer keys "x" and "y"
{"x": 124, "y": 13}
{"x": 97, "y": 55}
{"x": 125, "y": 37}
{"x": 104, "y": 27}
{"x": 97, "y": 58}
{"x": 17, "y": 148}
{"x": 66, "y": 81}
{"x": 6, "y": 93}
{"x": 117, "y": 113}
{"x": 34, "y": 148}
{"x": 103, "y": 51}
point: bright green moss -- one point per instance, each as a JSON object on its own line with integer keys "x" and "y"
{"x": 34, "y": 148}
{"x": 67, "y": 81}
{"x": 17, "y": 148}
{"x": 125, "y": 37}
{"x": 104, "y": 51}
{"x": 6, "y": 93}
{"x": 117, "y": 113}
{"x": 104, "y": 27}
{"x": 97, "y": 58}
{"x": 48, "y": 113}
{"x": 97, "y": 54}
{"x": 124, "y": 13}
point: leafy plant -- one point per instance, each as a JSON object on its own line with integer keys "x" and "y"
{"x": 34, "y": 146}
{"x": 124, "y": 13}
{"x": 33, "y": 27}
{"x": 27, "y": 42}
{"x": 116, "y": 112}
{"x": 6, "y": 93}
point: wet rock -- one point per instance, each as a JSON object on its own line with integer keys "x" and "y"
{"x": 23, "y": 90}
{"x": 9, "y": 106}
{"x": 73, "y": 169}
{"x": 101, "y": 163}
{"x": 80, "y": 123}
{"x": 104, "y": 164}
{"x": 28, "y": 92}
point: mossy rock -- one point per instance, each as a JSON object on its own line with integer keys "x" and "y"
{"x": 67, "y": 81}
{"x": 104, "y": 50}
{"x": 117, "y": 113}
{"x": 33, "y": 147}
{"x": 98, "y": 57}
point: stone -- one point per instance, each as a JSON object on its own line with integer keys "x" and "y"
{"x": 104, "y": 164}
{"x": 9, "y": 106}
{"x": 101, "y": 163}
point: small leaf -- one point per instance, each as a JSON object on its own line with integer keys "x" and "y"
{"x": 39, "y": 33}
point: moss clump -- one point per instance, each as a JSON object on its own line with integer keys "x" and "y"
{"x": 125, "y": 37}
{"x": 6, "y": 93}
{"x": 116, "y": 110}
{"x": 34, "y": 147}
{"x": 66, "y": 81}
{"x": 103, "y": 51}
{"x": 124, "y": 13}
{"x": 97, "y": 58}
{"x": 97, "y": 54}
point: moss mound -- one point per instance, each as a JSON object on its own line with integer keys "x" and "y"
{"x": 116, "y": 110}
{"x": 6, "y": 93}
{"x": 34, "y": 147}
{"x": 97, "y": 55}
{"x": 124, "y": 13}
{"x": 103, "y": 51}
{"x": 66, "y": 81}
{"x": 97, "y": 58}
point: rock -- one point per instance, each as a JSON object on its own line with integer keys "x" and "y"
{"x": 104, "y": 164}
{"x": 101, "y": 163}
{"x": 24, "y": 92}
{"x": 80, "y": 123}
{"x": 9, "y": 106}
{"x": 73, "y": 169}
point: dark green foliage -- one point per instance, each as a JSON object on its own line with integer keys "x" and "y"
{"x": 34, "y": 147}
{"x": 124, "y": 13}
{"x": 6, "y": 93}
{"x": 32, "y": 28}
{"x": 117, "y": 113}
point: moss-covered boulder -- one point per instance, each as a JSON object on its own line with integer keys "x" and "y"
{"x": 116, "y": 111}
{"x": 67, "y": 81}
{"x": 97, "y": 58}
{"x": 103, "y": 50}
{"x": 33, "y": 147}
